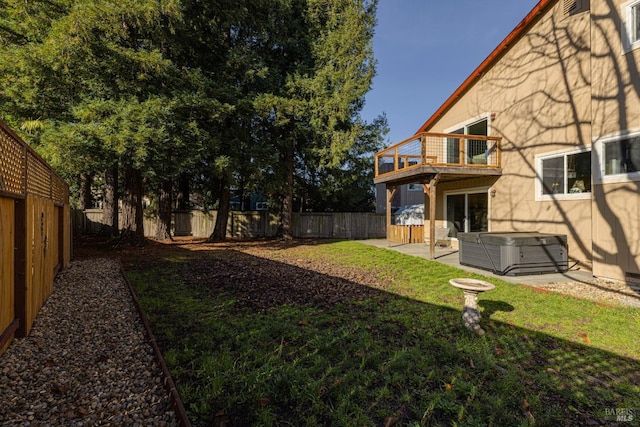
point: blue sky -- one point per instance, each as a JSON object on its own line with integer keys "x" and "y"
{"x": 426, "y": 48}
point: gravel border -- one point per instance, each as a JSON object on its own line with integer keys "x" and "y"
{"x": 88, "y": 359}
{"x": 598, "y": 290}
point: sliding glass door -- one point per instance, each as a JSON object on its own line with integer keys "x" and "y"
{"x": 475, "y": 149}
{"x": 467, "y": 212}
{"x": 453, "y": 147}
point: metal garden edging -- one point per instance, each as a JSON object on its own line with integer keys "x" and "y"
{"x": 178, "y": 406}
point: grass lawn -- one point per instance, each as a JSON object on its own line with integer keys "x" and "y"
{"x": 345, "y": 334}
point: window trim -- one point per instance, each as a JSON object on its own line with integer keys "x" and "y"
{"x": 539, "y": 196}
{"x": 472, "y": 121}
{"x": 465, "y": 124}
{"x": 626, "y": 29}
{"x": 599, "y": 166}
{"x": 467, "y": 191}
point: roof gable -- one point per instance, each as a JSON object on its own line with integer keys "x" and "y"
{"x": 493, "y": 57}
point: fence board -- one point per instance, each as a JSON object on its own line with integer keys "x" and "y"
{"x": 245, "y": 225}
{"x": 203, "y": 222}
{"x": 182, "y": 224}
{"x": 406, "y": 233}
{"x": 66, "y": 235}
{"x": 254, "y": 224}
{"x": 7, "y": 224}
{"x": 150, "y": 223}
{"x": 53, "y": 245}
{"x": 40, "y": 259}
{"x": 342, "y": 225}
{"x": 93, "y": 221}
{"x": 377, "y": 226}
{"x": 318, "y": 225}
{"x": 35, "y": 231}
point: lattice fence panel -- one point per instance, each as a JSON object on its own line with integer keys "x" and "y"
{"x": 59, "y": 191}
{"x": 11, "y": 164}
{"x": 38, "y": 177}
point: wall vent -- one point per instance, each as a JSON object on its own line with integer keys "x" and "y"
{"x": 569, "y": 6}
{"x": 574, "y": 7}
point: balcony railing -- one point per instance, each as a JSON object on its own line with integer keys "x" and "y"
{"x": 440, "y": 149}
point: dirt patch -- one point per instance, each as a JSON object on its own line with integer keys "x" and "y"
{"x": 258, "y": 283}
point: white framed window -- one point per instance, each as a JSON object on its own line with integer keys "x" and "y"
{"x": 564, "y": 175}
{"x": 630, "y": 30}
{"x": 619, "y": 156}
{"x": 475, "y": 150}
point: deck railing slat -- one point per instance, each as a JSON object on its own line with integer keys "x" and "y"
{"x": 440, "y": 149}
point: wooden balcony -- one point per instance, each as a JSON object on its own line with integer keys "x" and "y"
{"x": 450, "y": 156}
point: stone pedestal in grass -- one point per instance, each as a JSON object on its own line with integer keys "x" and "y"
{"x": 470, "y": 313}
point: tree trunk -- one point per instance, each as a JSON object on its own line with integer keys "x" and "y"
{"x": 241, "y": 194}
{"x": 132, "y": 206}
{"x": 110, "y": 206}
{"x": 222, "y": 219}
{"x": 163, "y": 230}
{"x": 183, "y": 193}
{"x": 285, "y": 227}
{"x": 86, "y": 198}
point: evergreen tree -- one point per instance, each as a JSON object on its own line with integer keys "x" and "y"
{"x": 95, "y": 88}
{"x": 234, "y": 94}
{"x": 315, "y": 113}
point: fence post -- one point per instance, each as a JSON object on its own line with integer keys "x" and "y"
{"x": 366, "y": 226}
{"x": 20, "y": 267}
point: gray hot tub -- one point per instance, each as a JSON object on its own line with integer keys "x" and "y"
{"x": 514, "y": 253}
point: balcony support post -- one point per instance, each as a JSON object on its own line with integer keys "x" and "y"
{"x": 391, "y": 191}
{"x": 430, "y": 191}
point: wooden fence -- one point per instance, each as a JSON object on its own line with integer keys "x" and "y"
{"x": 406, "y": 234}
{"x": 254, "y": 224}
{"x": 35, "y": 227}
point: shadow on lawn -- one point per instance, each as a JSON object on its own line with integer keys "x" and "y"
{"x": 255, "y": 336}
{"x": 489, "y": 307}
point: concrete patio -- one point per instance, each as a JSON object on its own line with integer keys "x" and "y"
{"x": 449, "y": 256}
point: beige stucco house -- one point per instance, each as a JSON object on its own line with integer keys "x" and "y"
{"x": 555, "y": 116}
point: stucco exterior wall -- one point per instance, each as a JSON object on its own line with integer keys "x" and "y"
{"x": 616, "y": 75}
{"x": 537, "y": 98}
{"x": 615, "y": 104}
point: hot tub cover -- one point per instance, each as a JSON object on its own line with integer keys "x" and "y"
{"x": 515, "y": 238}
